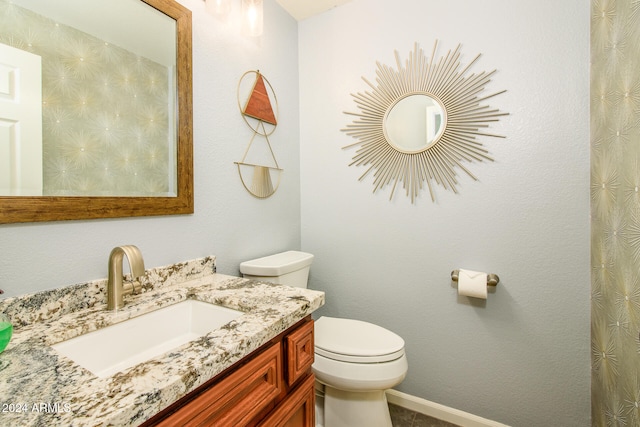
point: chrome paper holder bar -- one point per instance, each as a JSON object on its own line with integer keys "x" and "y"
{"x": 492, "y": 279}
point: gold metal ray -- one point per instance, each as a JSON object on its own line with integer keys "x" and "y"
{"x": 464, "y": 117}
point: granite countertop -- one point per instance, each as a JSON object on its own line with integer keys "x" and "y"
{"x": 40, "y": 387}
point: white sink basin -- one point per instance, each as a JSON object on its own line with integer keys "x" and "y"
{"x": 115, "y": 348}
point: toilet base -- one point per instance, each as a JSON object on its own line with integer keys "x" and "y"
{"x": 355, "y": 409}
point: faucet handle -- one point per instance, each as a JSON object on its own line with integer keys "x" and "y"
{"x": 133, "y": 287}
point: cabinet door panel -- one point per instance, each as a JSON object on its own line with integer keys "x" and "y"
{"x": 298, "y": 410}
{"x": 300, "y": 351}
{"x": 238, "y": 398}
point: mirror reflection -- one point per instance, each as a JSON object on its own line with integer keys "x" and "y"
{"x": 414, "y": 123}
{"x": 107, "y": 73}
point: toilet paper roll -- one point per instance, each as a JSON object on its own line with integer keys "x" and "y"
{"x": 472, "y": 284}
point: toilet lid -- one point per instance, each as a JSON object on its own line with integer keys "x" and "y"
{"x": 356, "y": 341}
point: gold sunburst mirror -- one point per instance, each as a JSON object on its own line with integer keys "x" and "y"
{"x": 421, "y": 122}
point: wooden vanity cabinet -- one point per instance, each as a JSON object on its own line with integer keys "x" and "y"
{"x": 272, "y": 387}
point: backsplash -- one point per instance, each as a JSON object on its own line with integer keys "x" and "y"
{"x": 51, "y": 304}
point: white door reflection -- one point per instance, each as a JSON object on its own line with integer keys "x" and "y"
{"x": 20, "y": 123}
{"x": 414, "y": 123}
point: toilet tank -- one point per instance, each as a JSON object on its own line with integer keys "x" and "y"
{"x": 289, "y": 268}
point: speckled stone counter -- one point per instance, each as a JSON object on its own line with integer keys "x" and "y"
{"x": 39, "y": 387}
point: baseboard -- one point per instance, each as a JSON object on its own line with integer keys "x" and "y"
{"x": 438, "y": 411}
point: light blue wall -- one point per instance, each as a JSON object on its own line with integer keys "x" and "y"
{"x": 228, "y": 222}
{"x": 523, "y": 357}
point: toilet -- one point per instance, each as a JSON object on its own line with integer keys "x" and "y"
{"x": 355, "y": 361}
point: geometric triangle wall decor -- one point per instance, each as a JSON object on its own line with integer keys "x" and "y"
{"x": 258, "y": 105}
{"x": 261, "y": 177}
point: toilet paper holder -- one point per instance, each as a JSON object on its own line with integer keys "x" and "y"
{"x": 492, "y": 279}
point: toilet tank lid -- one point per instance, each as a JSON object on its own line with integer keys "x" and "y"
{"x": 277, "y": 265}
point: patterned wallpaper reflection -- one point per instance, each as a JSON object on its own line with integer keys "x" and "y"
{"x": 615, "y": 212}
{"x": 105, "y": 114}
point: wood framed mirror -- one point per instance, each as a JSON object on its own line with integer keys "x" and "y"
{"x": 179, "y": 199}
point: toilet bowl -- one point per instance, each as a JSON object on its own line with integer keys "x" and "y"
{"x": 355, "y": 361}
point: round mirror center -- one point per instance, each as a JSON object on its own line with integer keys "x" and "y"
{"x": 414, "y": 123}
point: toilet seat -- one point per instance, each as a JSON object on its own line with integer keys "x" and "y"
{"x": 355, "y": 341}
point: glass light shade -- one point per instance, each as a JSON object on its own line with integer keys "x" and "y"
{"x": 252, "y": 17}
{"x": 218, "y": 8}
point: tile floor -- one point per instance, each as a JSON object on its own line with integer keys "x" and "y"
{"x": 401, "y": 417}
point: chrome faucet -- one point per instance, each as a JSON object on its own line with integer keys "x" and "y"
{"x": 116, "y": 289}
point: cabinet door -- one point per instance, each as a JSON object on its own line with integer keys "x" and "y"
{"x": 297, "y": 410}
{"x": 300, "y": 351}
{"x": 238, "y": 398}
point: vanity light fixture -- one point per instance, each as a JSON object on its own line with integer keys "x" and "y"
{"x": 252, "y": 17}
{"x": 219, "y": 8}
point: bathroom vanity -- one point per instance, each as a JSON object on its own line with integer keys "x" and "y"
{"x": 254, "y": 370}
{"x": 272, "y": 387}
